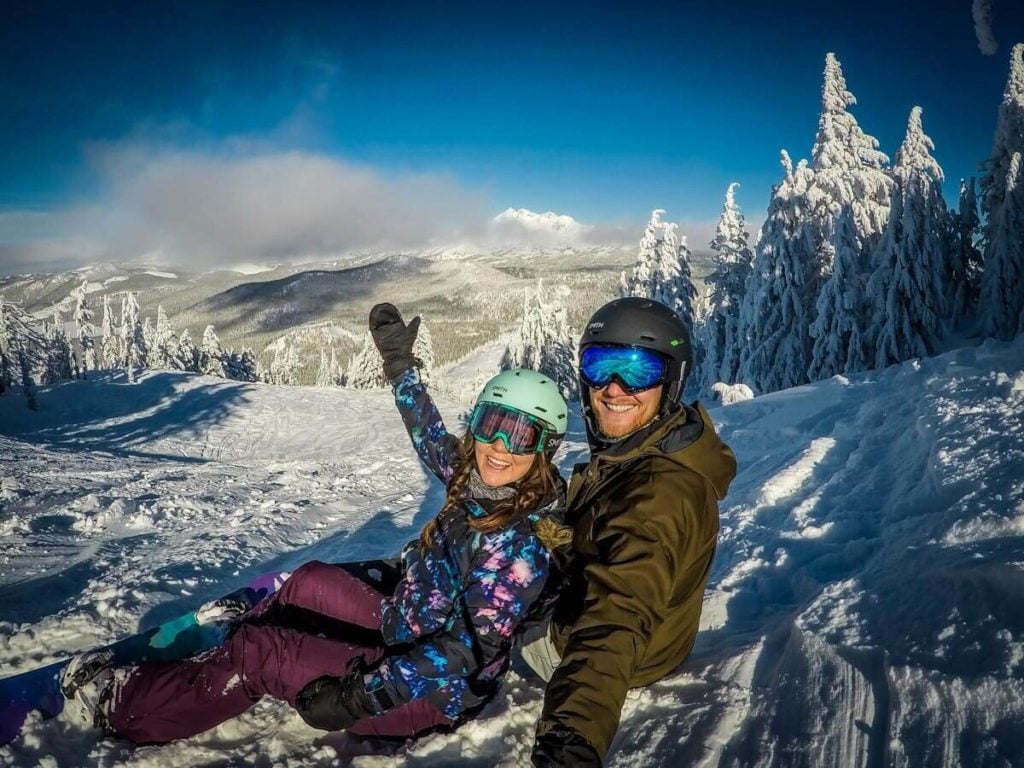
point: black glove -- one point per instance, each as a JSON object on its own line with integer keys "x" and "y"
{"x": 335, "y": 703}
{"x": 561, "y": 748}
{"x": 394, "y": 339}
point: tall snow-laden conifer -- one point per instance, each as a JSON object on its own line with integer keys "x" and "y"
{"x": 323, "y": 373}
{"x": 907, "y": 287}
{"x": 187, "y": 357}
{"x": 777, "y": 308}
{"x": 109, "y": 330}
{"x": 366, "y": 369}
{"x": 7, "y": 361}
{"x": 134, "y": 349}
{"x": 842, "y": 310}
{"x": 211, "y": 354}
{"x": 58, "y": 358}
{"x": 544, "y": 343}
{"x": 423, "y": 350}
{"x": 1001, "y": 305}
{"x": 149, "y": 338}
{"x": 719, "y": 332}
{"x": 642, "y": 280}
{"x": 164, "y": 352}
{"x": 86, "y": 330}
{"x": 240, "y": 366}
{"x": 963, "y": 279}
{"x": 849, "y": 171}
{"x": 22, "y": 350}
{"x": 662, "y": 269}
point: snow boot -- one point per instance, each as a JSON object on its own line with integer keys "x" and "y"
{"x": 83, "y": 682}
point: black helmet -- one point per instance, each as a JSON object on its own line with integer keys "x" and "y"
{"x": 639, "y": 322}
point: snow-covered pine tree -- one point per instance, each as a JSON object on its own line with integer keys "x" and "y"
{"x": 423, "y": 350}
{"x": 544, "y": 343}
{"x": 58, "y": 362}
{"x": 662, "y": 269}
{"x": 7, "y": 361}
{"x": 22, "y": 349}
{"x": 907, "y": 288}
{"x": 86, "y": 330}
{"x": 149, "y": 339}
{"x": 964, "y": 268}
{"x": 337, "y": 375}
{"x": 28, "y": 387}
{"x": 211, "y": 358}
{"x": 842, "y": 308}
{"x": 366, "y": 369}
{"x": 777, "y": 308}
{"x": 187, "y": 356}
{"x": 640, "y": 281}
{"x": 684, "y": 293}
{"x": 718, "y": 329}
{"x": 849, "y": 171}
{"x": 323, "y": 373}
{"x": 163, "y": 351}
{"x": 110, "y": 345}
{"x": 1001, "y": 306}
{"x": 240, "y": 366}
{"x": 134, "y": 341}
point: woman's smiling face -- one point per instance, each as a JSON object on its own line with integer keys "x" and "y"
{"x": 497, "y": 466}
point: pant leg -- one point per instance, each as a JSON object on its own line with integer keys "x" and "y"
{"x": 162, "y": 702}
{"x": 542, "y": 656}
{"x": 328, "y": 590}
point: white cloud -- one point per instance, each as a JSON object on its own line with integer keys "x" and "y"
{"x": 286, "y": 206}
{"x": 246, "y": 203}
{"x": 202, "y": 209}
{"x": 981, "y": 10}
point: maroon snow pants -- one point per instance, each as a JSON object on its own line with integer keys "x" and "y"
{"x": 161, "y": 702}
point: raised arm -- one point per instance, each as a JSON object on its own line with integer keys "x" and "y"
{"x": 394, "y": 339}
{"x": 436, "y": 447}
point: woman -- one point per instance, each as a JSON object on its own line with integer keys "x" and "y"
{"x": 331, "y": 642}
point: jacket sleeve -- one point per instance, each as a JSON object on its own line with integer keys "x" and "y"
{"x": 508, "y": 575}
{"x": 628, "y": 590}
{"x": 436, "y": 447}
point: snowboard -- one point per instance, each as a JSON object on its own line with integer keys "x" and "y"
{"x": 178, "y": 638}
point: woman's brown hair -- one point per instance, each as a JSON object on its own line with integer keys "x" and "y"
{"x": 538, "y": 485}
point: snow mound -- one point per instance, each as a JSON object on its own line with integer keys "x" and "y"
{"x": 865, "y": 608}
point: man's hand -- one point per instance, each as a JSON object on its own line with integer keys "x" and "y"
{"x": 335, "y": 703}
{"x": 394, "y": 339}
{"x": 563, "y": 748}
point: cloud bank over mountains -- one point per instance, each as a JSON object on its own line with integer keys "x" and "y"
{"x": 205, "y": 210}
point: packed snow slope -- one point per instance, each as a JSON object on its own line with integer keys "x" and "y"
{"x": 866, "y": 606}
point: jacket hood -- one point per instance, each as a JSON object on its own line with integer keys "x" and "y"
{"x": 685, "y": 436}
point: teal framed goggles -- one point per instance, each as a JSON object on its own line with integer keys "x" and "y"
{"x": 521, "y": 432}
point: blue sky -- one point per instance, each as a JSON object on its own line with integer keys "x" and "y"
{"x": 120, "y": 115}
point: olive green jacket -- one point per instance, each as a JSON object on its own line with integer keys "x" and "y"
{"x": 645, "y": 518}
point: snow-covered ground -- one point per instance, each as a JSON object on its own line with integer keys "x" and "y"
{"x": 866, "y": 606}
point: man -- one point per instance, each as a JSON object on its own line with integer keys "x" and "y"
{"x": 645, "y": 516}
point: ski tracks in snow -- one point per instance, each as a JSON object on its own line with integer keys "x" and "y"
{"x": 867, "y": 565}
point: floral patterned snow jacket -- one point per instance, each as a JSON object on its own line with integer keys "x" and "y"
{"x": 464, "y": 599}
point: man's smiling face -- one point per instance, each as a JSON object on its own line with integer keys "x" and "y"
{"x": 619, "y": 413}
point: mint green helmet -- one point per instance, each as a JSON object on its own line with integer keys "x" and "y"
{"x": 533, "y": 394}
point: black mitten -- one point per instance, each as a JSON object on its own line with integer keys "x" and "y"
{"x": 394, "y": 339}
{"x": 335, "y": 703}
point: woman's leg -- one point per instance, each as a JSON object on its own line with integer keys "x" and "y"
{"x": 328, "y": 590}
{"x": 161, "y": 702}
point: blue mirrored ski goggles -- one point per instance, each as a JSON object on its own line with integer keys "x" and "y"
{"x": 521, "y": 432}
{"x": 635, "y": 368}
